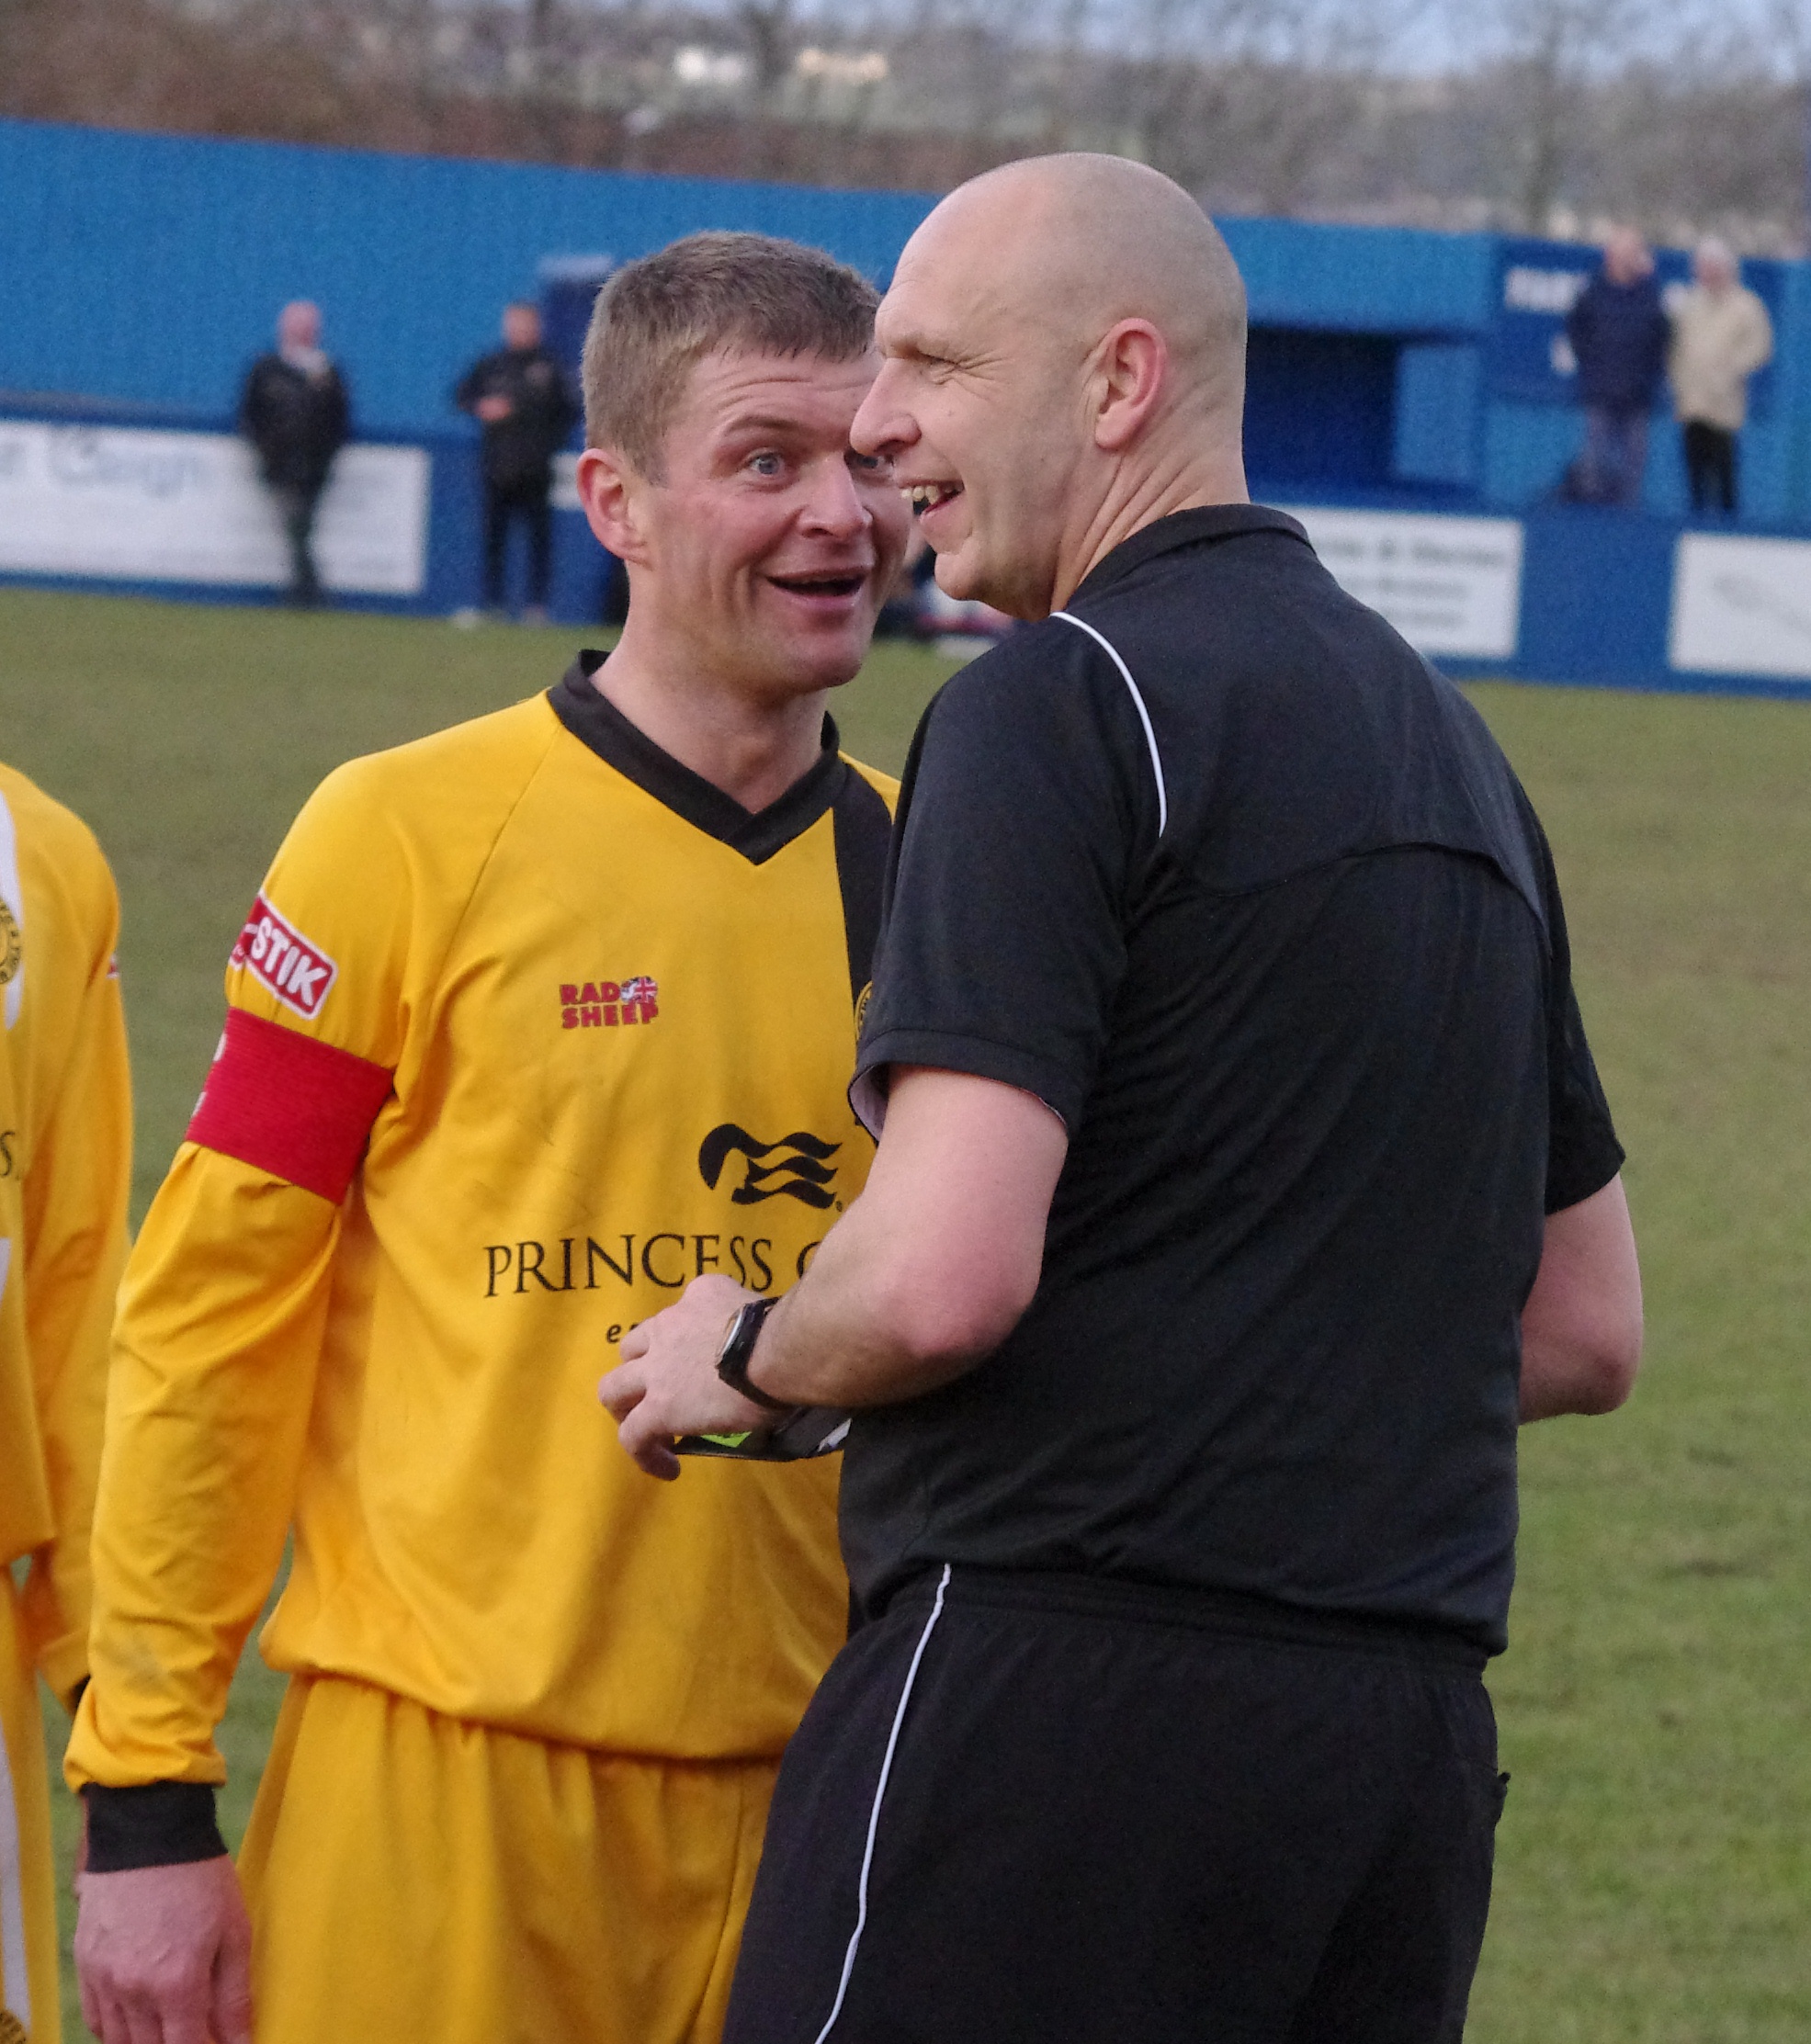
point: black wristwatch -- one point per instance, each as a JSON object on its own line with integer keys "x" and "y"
{"x": 733, "y": 1357}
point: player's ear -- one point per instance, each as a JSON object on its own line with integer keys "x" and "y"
{"x": 612, "y": 494}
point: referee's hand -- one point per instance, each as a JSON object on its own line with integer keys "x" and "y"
{"x": 667, "y": 1383}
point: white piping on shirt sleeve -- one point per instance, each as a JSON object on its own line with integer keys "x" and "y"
{"x": 1112, "y": 652}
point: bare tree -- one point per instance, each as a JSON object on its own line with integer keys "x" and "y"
{"x": 1543, "y": 56}
{"x": 1680, "y": 115}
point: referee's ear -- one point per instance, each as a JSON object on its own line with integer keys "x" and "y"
{"x": 1130, "y": 377}
{"x": 609, "y": 489}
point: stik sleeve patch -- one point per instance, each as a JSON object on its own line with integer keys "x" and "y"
{"x": 287, "y": 1104}
{"x": 274, "y": 950}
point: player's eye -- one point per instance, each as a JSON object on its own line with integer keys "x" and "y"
{"x": 768, "y": 463}
{"x": 871, "y": 464}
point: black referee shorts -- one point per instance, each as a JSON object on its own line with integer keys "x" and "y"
{"x": 1064, "y": 1812}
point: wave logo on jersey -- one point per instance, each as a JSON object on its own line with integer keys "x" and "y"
{"x": 609, "y": 1003}
{"x": 275, "y": 952}
{"x": 798, "y": 1171}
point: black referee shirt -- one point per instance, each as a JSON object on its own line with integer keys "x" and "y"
{"x": 1267, "y": 919}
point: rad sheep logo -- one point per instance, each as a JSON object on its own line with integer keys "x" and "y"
{"x": 609, "y": 1003}
{"x": 801, "y": 1170}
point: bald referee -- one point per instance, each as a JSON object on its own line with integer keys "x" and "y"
{"x": 1245, "y": 1178}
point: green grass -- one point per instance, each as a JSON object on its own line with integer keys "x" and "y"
{"x": 1655, "y": 1860}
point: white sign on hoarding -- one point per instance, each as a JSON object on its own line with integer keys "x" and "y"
{"x": 120, "y": 503}
{"x": 1741, "y": 606}
{"x": 1449, "y": 586}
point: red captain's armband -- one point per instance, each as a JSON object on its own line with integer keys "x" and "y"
{"x": 289, "y": 1104}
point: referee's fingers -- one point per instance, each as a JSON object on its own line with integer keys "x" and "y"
{"x": 619, "y": 1391}
{"x": 649, "y": 1446}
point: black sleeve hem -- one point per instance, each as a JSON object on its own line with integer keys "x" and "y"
{"x": 162, "y": 1823}
{"x": 1587, "y": 1166}
{"x": 975, "y": 1056}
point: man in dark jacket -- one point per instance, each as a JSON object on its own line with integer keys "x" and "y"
{"x": 1619, "y": 334}
{"x": 519, "y": 396}
{"x": 295, "y": 411}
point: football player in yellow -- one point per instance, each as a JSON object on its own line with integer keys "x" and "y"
{"x": 531, "y": 1023}
{"x": 65, "y": 1167}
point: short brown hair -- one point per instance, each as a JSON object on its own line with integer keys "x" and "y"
{"x": 660, "y": 316}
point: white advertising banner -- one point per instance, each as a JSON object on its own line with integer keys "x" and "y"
{"x": 121, "y": 502}
{"x": 1741, "y": 606}
{"x": 1449, "y": 586}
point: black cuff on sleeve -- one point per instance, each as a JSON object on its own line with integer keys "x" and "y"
{"x": 164, "y": 1823}
{"x": 1581, "y": 1161}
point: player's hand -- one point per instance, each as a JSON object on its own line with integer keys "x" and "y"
{"x": 164, "y": 1954}
{"x": 493, "y": 409}
{"x": 667, "y": 1383}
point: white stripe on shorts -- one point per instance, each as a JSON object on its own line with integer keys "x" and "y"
{"x": 873, "y": 1815}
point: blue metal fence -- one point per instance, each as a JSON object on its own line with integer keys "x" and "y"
{"x": 150, "y": 268}
{"x": 1389, "y": 366}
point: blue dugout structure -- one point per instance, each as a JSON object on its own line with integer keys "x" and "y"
{"x": 1393, "y": 373}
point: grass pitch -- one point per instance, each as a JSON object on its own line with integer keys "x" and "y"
{"x": 1654, "y": 1879}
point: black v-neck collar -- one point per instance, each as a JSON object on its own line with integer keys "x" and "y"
{"x": 598, "y": 723}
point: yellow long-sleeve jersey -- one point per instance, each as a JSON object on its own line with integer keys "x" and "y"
{"x": 65, "y": 1169}
{"x": 529, "y": 1027}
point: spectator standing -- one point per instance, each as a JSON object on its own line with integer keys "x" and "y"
{"x": 1721, "y": 336}
{"x": 519, "y": 396}
{"x": 295, "y": 411}
{"x": 1619, "y": 331}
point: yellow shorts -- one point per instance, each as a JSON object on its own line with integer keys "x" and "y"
{"x": 412, "y": 1876}
{"x": 27, "y": 1878}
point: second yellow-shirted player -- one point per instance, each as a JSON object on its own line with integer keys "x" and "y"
{"x": 65, "y": 1165}
{"x": 531, "y": 1023}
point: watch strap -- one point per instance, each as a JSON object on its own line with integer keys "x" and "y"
{"x": 738, "y": 1351}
